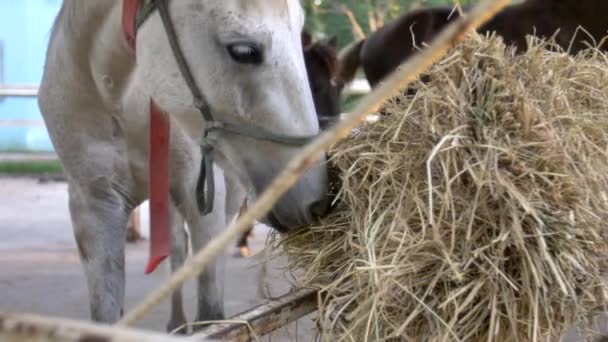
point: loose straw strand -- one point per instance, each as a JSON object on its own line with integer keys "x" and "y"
{"x": 409, "y": 71}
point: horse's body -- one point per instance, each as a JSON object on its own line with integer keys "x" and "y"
{"x": 320, "y": 60}
{"x": 385, "y": 49}
{"x": 246, "y": 58}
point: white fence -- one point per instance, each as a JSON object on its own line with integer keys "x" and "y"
{"x": 18, "y": 91}
{"x": 357, "y": 87}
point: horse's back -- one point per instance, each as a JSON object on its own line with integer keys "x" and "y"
{"x": 385, "y": 49}
{"x": 591, "y": 15}
{"x": 546, "y": 19}
{"x": 390, "y": 45}
{"x": 514, "y": 23}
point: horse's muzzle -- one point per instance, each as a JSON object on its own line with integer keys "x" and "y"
{"x": 326, "y": 121}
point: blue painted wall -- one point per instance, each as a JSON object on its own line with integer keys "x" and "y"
{"x": 25, "y": 27}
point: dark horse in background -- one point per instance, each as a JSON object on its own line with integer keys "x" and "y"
{"x": 320, "y": 58}
{"x": 385, "y": 49}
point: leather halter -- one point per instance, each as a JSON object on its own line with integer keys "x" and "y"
{"x": 135, "y": 13}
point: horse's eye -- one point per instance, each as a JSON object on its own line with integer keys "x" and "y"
{"x": 245, "y": 53}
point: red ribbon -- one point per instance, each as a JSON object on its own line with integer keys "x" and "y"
{"x": 159, "y": 187}
{"x": 129, "y": 13}
{"x": 158, "y": 163}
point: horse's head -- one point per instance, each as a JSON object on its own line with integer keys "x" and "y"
{"x": 320, "y": 58}
{"x": 246, "y": 58}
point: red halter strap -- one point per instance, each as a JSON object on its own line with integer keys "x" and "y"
{"x": 158, "y": 164}
{"x": 159, "y": 187}
{"x": 129, "y": 15}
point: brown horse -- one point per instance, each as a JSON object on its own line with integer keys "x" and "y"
{"x": 385, "y": 49}
{"x": 321, "y": 64}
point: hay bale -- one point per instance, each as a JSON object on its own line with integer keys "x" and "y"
{"x": 475, "y": 210}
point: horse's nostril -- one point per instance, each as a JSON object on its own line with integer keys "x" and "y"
{"x": 319, "y": 208}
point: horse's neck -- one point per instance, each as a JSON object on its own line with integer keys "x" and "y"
{"x": 88, "y": 34}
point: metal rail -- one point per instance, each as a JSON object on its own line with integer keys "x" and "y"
{"x": 21, "y": 123}
{"x": 15, "y": 327}
{"x": 18, "y": 91}
{"x": 357, "y": 87}
{"x": 263, "y": 319}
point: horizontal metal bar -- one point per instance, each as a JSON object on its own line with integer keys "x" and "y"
{"x": 25, "y": 157}
{"x": 15, "y": 327}
{"x": 18, "y": 91}
{"x": 265, "y": 318}
{"x": 21, "y": 123}
{"x": 358, "y": 87}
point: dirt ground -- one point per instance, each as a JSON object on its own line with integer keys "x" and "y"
{"x": 40, "y": 271}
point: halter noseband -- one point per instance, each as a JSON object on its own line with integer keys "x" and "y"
{"x": 140, "y": 11}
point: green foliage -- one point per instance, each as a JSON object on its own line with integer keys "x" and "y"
{"x": 31, "y": 167}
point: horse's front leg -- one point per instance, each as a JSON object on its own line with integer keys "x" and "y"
{"x": 210, "y": 283}
{"x": 179, "y": 252}
{"x": 99, "y": 216}
{"x": 243, "y": 241}
{"x": 236, "y": 201}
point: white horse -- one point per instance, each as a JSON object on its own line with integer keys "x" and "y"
{"x": 240, "y": 89}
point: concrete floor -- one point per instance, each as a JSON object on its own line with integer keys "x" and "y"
{"x": 40, "y": 271}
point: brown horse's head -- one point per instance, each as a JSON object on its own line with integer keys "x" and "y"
{"x": 320, "y": 58}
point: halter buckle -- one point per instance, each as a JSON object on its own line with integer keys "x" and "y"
{"x": 214, "y": 125}
{"x": 206, "y": 146}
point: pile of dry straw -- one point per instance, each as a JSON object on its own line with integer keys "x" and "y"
{"x": 476, "y": 210}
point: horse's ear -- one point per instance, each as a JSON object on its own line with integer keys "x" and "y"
{"x": 332, "y": 42}
{"x": 306, "y": 39}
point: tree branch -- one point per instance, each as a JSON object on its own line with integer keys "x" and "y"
{"x": 355, "y": 27}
